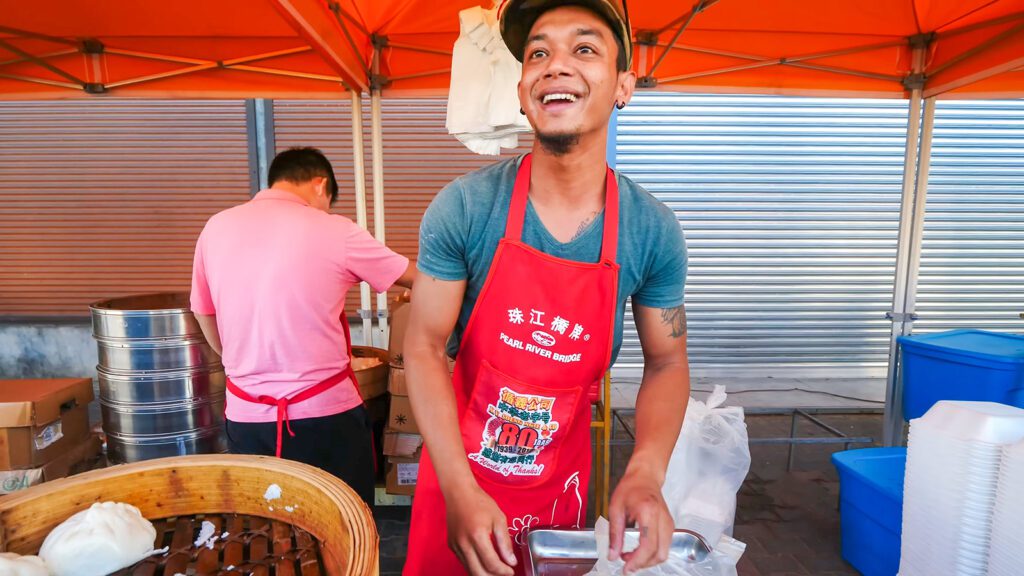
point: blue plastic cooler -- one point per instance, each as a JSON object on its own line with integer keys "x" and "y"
{"x": 961, "y": 365}
{"x": 871, "y": 508}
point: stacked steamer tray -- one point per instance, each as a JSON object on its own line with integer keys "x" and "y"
{"x": 270, "y": 516}
{"x": 162, "y": 385}
{"x": 952, "y": 476}
{"x": 1006, "y": 557}
{"x": 371, "y": 368}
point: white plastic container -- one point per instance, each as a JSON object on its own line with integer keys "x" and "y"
{"x": 954, "y": 458}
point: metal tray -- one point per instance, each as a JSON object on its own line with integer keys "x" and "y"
{"x": 574, "y": 552}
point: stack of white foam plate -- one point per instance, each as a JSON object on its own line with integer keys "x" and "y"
{"x": 1006, "y": 557}
{"x": 953, "y": 467}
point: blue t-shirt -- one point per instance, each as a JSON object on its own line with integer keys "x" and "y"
{"x": 461, "y": 229}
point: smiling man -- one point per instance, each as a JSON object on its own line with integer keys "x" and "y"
{"x": 528, "y": 265}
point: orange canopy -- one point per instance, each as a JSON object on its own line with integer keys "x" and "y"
{"x": 319, "y": 48}
{"x": 174, "y": 49}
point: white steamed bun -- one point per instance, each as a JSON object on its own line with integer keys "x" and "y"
{"x": 105, "y": 538}
{"x": 17, "y": 565}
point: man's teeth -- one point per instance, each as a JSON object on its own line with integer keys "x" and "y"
{"x": 550, "y": 97}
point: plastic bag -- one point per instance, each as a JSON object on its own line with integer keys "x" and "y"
{"x": 707, "y": 468}
{"x": 708, "y": 465}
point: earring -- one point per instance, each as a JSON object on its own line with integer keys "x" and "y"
{"x": 620, "y": 105}
{"x": 522, "y": 112}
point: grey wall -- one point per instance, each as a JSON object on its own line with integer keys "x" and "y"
{"x": 41, "y": 350}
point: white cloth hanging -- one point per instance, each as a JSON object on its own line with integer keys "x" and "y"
{"x": 483, "y": 101}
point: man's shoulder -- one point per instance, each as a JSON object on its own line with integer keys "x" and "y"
{"x": 474, "y": 196}
{"x": 250, "y": 213}
{"x": 642, "y": 206}
{"x": 226, "y": 216}
{"x": 487, "y": 183}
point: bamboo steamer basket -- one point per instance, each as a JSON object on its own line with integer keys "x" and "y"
{"x": 183, "y": 487}
{"x": 371, "y": 381}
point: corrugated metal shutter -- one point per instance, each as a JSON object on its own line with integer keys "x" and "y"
{"x": 420, "y": 158}
{"x": 972, "y": 260}
{"x": 790, "y": 207}
{"x": 101, "y": 198}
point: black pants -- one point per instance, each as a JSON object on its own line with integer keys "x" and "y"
{"x": 340, "y": 444}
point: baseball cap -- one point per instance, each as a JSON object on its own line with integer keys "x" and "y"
{"x": 516, "y": 18}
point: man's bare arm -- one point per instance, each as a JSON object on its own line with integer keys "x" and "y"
{"x": 407, "y": 277}
{"x": 665, "y": 388}
{"x": 475, "y": 523}
{"x": 208, "y": 324}
{"x": 660, "y": 408}
{"x": 435, "y": 310}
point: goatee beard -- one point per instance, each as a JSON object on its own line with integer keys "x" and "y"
{"x": 558, "y": 144}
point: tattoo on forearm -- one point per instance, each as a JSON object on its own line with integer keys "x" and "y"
{"x": 583, "y": 226}
{"x": 676, "y": 318}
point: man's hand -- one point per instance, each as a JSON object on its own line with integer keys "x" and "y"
{"x": 637, "y": 499}
{"x": 475, "y": 526}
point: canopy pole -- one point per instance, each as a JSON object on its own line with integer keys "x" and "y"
{"x": 359, "y": 173}
{"x": 908, "y": 258}
{"x": 377, "y": 149}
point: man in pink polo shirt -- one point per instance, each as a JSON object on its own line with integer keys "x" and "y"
{"x": 268, "y": 288}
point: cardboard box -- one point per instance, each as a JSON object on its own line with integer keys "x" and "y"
{"x": 400, "y": 417}
{"x": 402, "y": 475}
{"x": 74, "y": 461}
{"x": 402, "y": 444}
{"x": 396, "y": 382}
{"x": 42, "y": 419}
{"x": 399, "y": 323}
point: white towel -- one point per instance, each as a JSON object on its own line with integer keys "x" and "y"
{"x": 483, "y": 101}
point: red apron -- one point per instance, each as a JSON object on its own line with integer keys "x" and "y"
{"x": 540, "y": 335}
{"x": 308, "y": 393}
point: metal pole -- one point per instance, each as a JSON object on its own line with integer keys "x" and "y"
{"x": 924, "y": 163}
{"x": 908, "y": 259}
{"x": 892, "y": 433}
{"x": 359, "y": 169}
{"x": 259, "y": 126}
{"x": 267, "y": 146}
{"x": 377, "y": 150}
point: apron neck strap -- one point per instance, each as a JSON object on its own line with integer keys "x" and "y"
{"x": 521, "y": 193}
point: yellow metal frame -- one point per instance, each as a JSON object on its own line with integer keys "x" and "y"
{"x": 601, "y": 425}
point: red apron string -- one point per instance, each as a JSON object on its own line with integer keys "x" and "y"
{"x": 282, "y": 403}
{"x": 283, "y": 421}
{"x": 282, "y": 416}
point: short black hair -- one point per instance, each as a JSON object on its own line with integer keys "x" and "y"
{"x": 300, "y": 165}
{"x": 620, "y": 61}
{"x": 621, "y": 64}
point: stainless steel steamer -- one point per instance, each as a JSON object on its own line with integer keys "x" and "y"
{"x": 161, "y": 384}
